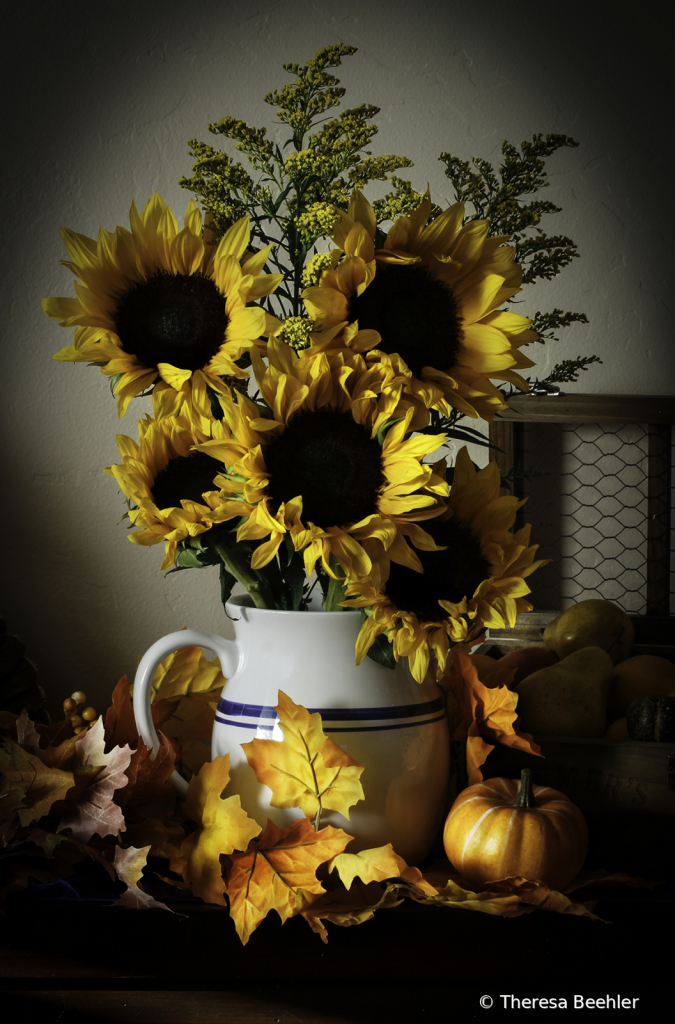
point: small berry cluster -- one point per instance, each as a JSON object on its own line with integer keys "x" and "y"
{"x": 80, "y": 720}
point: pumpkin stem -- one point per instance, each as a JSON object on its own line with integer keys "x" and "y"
{"x": 525, "y": 796}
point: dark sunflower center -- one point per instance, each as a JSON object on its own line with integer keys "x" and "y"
{"x": 331, "y": 461}
{"x": 172, "y": 318}
{"x": 415, "y": 314}
{"x": 448, "y": 575}
{"x": 185, "y": 477}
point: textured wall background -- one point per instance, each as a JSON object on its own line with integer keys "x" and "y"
{"x": 103, "y": 99}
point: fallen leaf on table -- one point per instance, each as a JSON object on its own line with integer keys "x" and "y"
{"x": 538, "y": 894}
{"x": 374, "y": 865}
{"x": 307, "y": 769}
{"x": 95, "y": 813}
{"x": 347, "y": 907}
{"x": 129, "y": 866}
{"x": 602, "y": 877}
{"x": 454, "y": 895}
{"x": 277, "y": 870}
{"x": 224, "y": 828}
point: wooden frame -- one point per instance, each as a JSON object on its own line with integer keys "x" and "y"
{"x": 657, "y": 412}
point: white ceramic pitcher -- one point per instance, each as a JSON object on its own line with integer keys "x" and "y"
{"x": 396, "y": 728}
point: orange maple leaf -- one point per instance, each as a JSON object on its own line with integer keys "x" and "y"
{"x": 120, "y": 724}
{"x": 277, "y": 870}
{"x": 480, "y": 714}
{"x": 307, "y": 770}
{"x": 148, "y": 790}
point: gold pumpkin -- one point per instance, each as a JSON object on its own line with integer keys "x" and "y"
{"x": 505, "y": 827}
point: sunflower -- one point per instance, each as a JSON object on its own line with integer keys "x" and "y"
{"x": 427, "y": 303}
{"x": 329, "y": 471}
{"x": 477, "y": 580}
{"x": 157, "y": 306}
{"x": 175, "y": 490}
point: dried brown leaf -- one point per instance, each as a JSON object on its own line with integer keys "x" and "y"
{"x": 120, "y": 724}
{"x": 39, "y": 785}
{"x": 148, "y": 790}
{"x": 96, "y": 813}
{"x": 129, "y": 864}
{"x": 27, "y": 735}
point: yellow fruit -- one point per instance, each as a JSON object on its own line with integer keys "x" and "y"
{"x": 592, "y": 623}
{"x": 568, "y": 698}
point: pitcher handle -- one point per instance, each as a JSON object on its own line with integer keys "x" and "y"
{"x": 227, "y": 652}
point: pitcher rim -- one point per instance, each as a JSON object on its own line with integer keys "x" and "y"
{"x": 245, "y": 601}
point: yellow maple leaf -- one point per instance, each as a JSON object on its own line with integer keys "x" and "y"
{"x": 348, "y": 907}
{"x": 277, "y": 871}
{"x": 505, "y": 904}
{"x": 186, "y": 671}
{"x": 538, "y": 894}
{"x": 307, "y": 769}
{"x": 224, "y": 828}
{"x": 481, "y": 714}
{"x": 375, "y": 865}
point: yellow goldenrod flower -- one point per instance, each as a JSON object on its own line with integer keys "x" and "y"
{"x": 158, "y": 307}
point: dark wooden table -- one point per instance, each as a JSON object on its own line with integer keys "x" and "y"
{"x": 69, "y": 962}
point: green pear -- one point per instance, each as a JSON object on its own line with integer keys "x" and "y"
{"x": 592, "y": 623}
{"x": 569, "y": 698}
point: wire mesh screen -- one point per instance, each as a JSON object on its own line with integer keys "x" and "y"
{"x": 589, "y": 489}
{"x": 597, "y": 500}
{"x": 587, "y": 503}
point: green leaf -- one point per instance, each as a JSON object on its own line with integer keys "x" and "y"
{"x": 293, "y": 574}
{"x": 381, "y": 650}
{"x": 112, "y": 380}
{"x": 227, "y": 582}
{"x": 385, "y": 427}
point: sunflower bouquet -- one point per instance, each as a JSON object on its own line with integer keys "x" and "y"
{"x": 307, "y": 368}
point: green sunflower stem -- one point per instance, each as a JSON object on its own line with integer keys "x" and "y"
{"x": 235, "y": 564}
{"x": 335, "y": 592}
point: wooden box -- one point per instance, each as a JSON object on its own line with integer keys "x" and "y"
{"x": 625, "y": 788}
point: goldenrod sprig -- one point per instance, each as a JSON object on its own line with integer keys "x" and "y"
{"x": 293, "y": 201}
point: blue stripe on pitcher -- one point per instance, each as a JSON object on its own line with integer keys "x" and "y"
{"x": 250, "y": 715}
